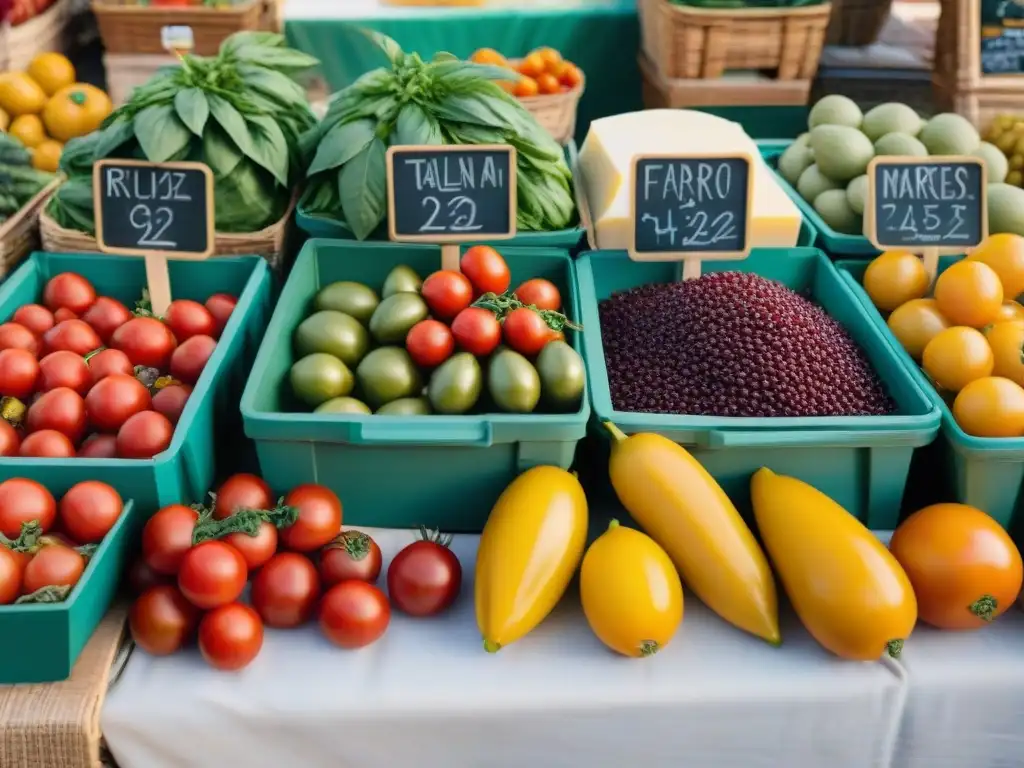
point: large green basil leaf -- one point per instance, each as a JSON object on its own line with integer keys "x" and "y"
{"x": 272, "y": 84}
{"x": 341, "y": 144}
{"x": 231, "y": 120}
{"x": 270, "y": 149}
{"x": 193, "y": 109}
{"x": 286, "y": 60}
{"x": 112, "y": 138}
{"x": 391, "y": 49}
{"x": 416, "y": 126}
{"x": 248, "y": 199}
{"x": 219, "y": 152}
{"x": 160, "y": 133}
{"x": 362, "y": 189}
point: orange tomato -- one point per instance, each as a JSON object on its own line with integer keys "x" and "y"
{"x": 569, "y": 75}
{"x": 526, "y": 87}
{"x": 895, "y": 277}
{"x": 548, "y": 83}
{"x": 957, "y": 356}
{"x": 990, "y": 407}
{"x": 1007, "y": 342}
{"x": 964, "y": 569}
{"x": 488, "y": 56}
{"x": 552, "y": 59}
{"x": 916, "y": 323}
{"x": 533, "y": 65}
{"x": 1010, "y": 310}
{"x": 969, "y": 293}
{"x": 1004, "y": 253}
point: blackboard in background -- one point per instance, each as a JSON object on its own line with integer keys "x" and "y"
{"x": 1002, "y": 37}
{"x": 690, "y": 208}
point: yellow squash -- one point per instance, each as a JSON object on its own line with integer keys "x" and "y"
{"x": 76, "y": 110}
{"x": 848, "y": 590}
{"x": 529, "y": 550}
{"x": 684, "y": 510}
{"x": 630, "y": 591}
{"x": 20, "y": 94}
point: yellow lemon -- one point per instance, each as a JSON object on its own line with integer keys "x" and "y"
{"x": 52, "y": 71}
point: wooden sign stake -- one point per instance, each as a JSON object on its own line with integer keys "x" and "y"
{"x": 450, "y": 257}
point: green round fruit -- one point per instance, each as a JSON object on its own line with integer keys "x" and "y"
{"x": 406, "y": 406}
{"x": 354, "y": 299}
{"x": 562, "y": 376}
{"x": 335, "y": 333}
{"x": 395, "y": 316}
{"x": 892, "y": 117}
{"x": 401, "y": 279}
{"x": 320, "y": 377}
{"x": 899, "y": 145}
{"x": 386, "y": 374}
{"x": 857, "y": 194}
{"x": 835, "y": 210}
{"x": 794, "y": 161}
{"x": 343, "y": 405}
{"x": 840, "y": 152}
{"x": 513, "y": 382}
{"x": 812, "y": 183}
{"x": 455, "y": 386}
{"x": 995, "y": 161}
{"x": 835, "y": 110}
{"x": 949, "y": 134}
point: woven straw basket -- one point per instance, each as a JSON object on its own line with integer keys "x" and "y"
{"x": 556, "y": 112}
{"x": 45, "y": 32}
{"x": 19, "y": 235}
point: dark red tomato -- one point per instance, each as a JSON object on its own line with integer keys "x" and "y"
{"x": 46, "y": 444}
{"x": 540, "y": 293}
{"x": 144, "y": 435}
{"x": 19, "y": 372}
{"x": 354, "y": 614}
{"x": 424, "y": 578}
{"x": 89, "y": 510}
{"x": 230, "y": 637}
{"x": 319, "y": 519}
{"x": 430, "y": 343}
{"x": 187, "y": 318}
{"x": 142, "y": 578}
{"x": 486, "y": 269}
{"x": 73, "y": 335}
{"x": 162, "y": 620}
{"x": 10, "y": 440}
{"x": 255, "y": 550}
{"x": 477, "y": 331}
{"x": 69, "y": 291}
{"x": 525, "y": 331}
{"x": 285, "y": 591}
{"x": 12, "y": 567}
{"x": 99, "y": 447}
{"x": 171, "y": 400}
{"x": 52, "y": 566}
{"x": 352, "y": 555}
{"x": 146, "y": 341}
{"x": 191, "y": 356}
{"x": 63, "y": 314}
{"x": 166, "y": 538}
{"x": 64, "y": 369}
{"x": 115, "y": 399}
{"x": 447, "y": 293}
{"x": 108, "y": 362}
{"x": 242, "y": 491}
{"x": 105, "y": 316}
{"x": 17, "y": 336}
{"x": 220, "y": 305}
{"x": 25, "y": 501}
{"x": 212, "y": 574}
{"x": 35, "y": 317}
{"x": 61, "y": 409}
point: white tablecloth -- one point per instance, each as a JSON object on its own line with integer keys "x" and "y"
{"x": 427, "y": 695}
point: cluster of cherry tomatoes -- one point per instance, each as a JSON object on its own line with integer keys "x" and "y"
{"x": 46, "y": 545}
{"x": 520, "y": 320}
{"x": 195, "y": 565}
{"x": 542, "y": 72}
{"x": 82, "y": 375}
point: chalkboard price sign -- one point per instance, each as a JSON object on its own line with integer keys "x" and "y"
{"x": 690, "y": 208}
{"x": 451, "y": 194}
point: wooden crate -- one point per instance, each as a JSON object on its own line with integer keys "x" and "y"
{"x": 660, "y": 92}
{"x": 20, "y": 44}
{"x": 958, "y": 51}
{"x": 980, "y": 105}
{"x": 127, "y": 71}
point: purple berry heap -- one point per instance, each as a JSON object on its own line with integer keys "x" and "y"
{"x": 733, "y": 344}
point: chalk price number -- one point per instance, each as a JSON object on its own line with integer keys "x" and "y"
{"x": 459, "y": 212}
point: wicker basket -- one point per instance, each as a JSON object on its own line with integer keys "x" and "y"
{"x": 556, "y": 112}
{"x": 136, "y": 29}
{"x": 19, "y": 235}
{"x": 857, "y": 22}
{"x": 704, "y": 43}
{"x": 20, "y": 44}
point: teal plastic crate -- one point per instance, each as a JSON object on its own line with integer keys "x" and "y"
{"x": 40, "y": 642}
{"x": 861, "y": 462}
{"x": 984, "y": 472}
{"x": 441, "y": 471}
{"x": 316, "y": 225}
{"x": 186, "y": 470}
{"x": 778, "y": 124}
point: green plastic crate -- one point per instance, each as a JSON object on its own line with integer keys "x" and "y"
{"x": 186, "y": 470}
{"x": 984, "y": 472}
{"x": 40, "y": 642}
{"x": 316, "y": 225}
{"x": 861, "y": 462}
{"x": 441, "y": 471}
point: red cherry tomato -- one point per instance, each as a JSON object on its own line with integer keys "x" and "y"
{"x": 10, "y": 440}
{"x": 230, "y": 637}
{"x": 525, "y": 331}
{"x": 109, "y": 361}
{"x": 144, "y": 435}
{"x": 190, "y": 358}
{"x": 187, "y": 318}
{"x": 220, "y": 305}
{"x": 46, "y": 444}
{"x": 99, "y": 447}
{"x": 540, "y": 293}
{"x": 19, "y": 372}
{"x": 255, "y": 550}
{"x": 142, "y": 578}
{"x": 424, "y": 578}
{"x": 63, "y": 314}
{"x": 15, "y": 336}
{"x": 447, "y": 293}
{"x": 352, "y": 555}
{"x": 241, "y": 491}
{"x": 171, "y": 400}
{"x": 146, "y": 341}
{"x": 64, "y": 369}
{"x": 285, "y": 592}
{"x": 167, "y": 536}
{"x": 429, "y": 343}
{"x": 12, "y": 568}
{"x": 35, "y": 317}
{"x": 354, "y": 614}
{"x": 25, "y": 501}
{"x": 69, "y": 291}
{"x": 74, "y": 336}
{"x": 319, "y": 519}
{"x": 115, "y": 399}
{"x": 61, "y": 409}
{"x": 105, "y": 316}
{"x": 53, "y": 566}
{"x": 477, "y": 331}
{"x": 486, "y": 269}
{"x": 89, "y": 510}
{"x": 212, "y": 574}
{"x": 162, "y": 620}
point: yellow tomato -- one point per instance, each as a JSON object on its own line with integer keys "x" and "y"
{"x": 533, "y": 65}
{"x": 5, "y": 121}
{"x": 1010, "y": 310}
{"x": 969, "y": 293}
{"x": 76, "y": 111}
{"x": 528, "y": 553}
{"x": 488, "y": 56}
{"x": 848, "y": 590}
{"x": 916, "y": 323}
{"x": 895, "y": 278}
{"x": 1007, "y": 342}
{"x": 28, "y": 129}
{"x": 52, "y": 71}
{"x": 20, "y": 94}
{"x": 46, "y": 156}
{"x": 1004, "y": 253}
{"x": 631, "y": 592}
{"x": 957, "y": 356}
{"x": 552, "y": 59}
{"x": 990, "y": 407}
